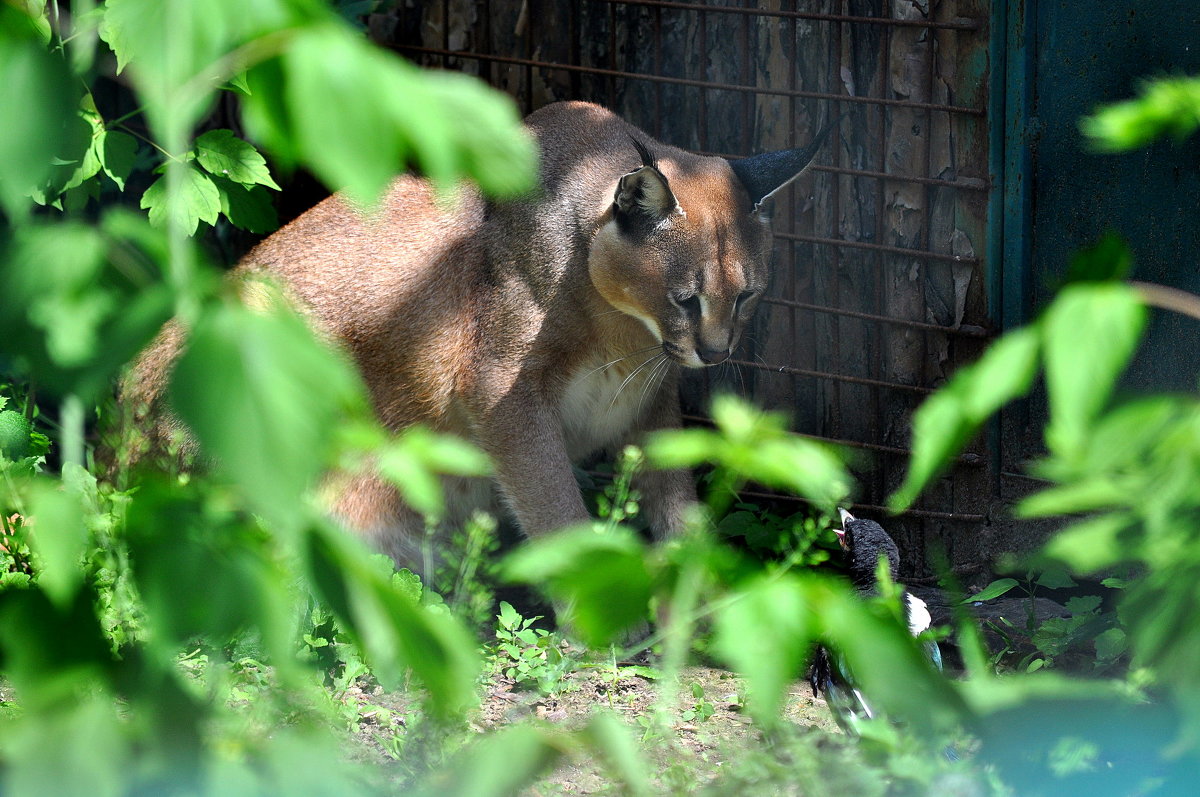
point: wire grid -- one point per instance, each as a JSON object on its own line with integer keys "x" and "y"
{"x": 637, "y": 56}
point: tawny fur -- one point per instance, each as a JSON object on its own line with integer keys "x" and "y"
{"x": 496, "y": 320}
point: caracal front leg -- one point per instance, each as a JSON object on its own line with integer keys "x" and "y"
{"x": 667, "y": 496}
{"x": 524, "y": 438}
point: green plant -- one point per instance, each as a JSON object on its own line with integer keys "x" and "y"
{"x": 1123, "y": 476}
{"x": 1087, "y": 638}
{"x": 701, "y": 710}
{"x": 526, "y": 654}
{"x": 107, "y": 589}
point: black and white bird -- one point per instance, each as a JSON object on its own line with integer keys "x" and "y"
{"x": 865, "y": 541}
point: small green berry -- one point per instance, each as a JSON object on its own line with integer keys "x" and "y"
{"x": 14, "y": 435}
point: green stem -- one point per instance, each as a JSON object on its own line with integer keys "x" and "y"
{"x": 124, "y": 116}
{"x": 150, "y": 141}
{"x": 71, "y": 430}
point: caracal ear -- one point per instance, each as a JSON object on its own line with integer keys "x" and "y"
{"x": 763, "y": 175}
{"x": 644, "y": 199}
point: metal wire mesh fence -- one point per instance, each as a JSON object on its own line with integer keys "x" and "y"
{"x": 880, "y": 288}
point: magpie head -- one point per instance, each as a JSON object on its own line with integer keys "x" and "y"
{"x": 864, "y": 542}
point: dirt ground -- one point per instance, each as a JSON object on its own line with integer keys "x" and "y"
{"x": 699, "y": 737}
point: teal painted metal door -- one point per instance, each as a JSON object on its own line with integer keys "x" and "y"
{"x": 1062, "y": 59}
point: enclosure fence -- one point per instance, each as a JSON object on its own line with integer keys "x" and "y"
{"x": 881, "y": 285}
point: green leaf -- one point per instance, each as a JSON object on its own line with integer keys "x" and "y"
{"x": 445, "y": 453}
{"x": 37, "y": 102}
{"x": 993, "y": 590}
{"x": 740, "y": 421}
{"x": 1068, "y": 499}
{"x": 60, "y": 541}
{"x": 800, "y": 466}
{"x": 185, "y": 541}
{"x": 394, "y": 630}
{"x": 41, "y": 763}
{"x": 29, "y": 23}
{"x": 599, "y": 579}
{"x": 1168, "y": 106}
{"x": 499, "y": 764}
{"x": 765, "y": 634}
{"x": 91, "y": 298}
{"x": 389, "y": 114}
{"x": 223, "y": 154}
{"x": 53, "y": 271}
{"x": 358, "y": 148}
{"x": 89, "y": 164}
{"x": 117, "y": 156}
{"x": 169, "y": 48}
{"x": 1106, "y": 318}
{"x": 1110, "y": 644}
{"x": 1055, "y": 577}
{"x": 947, "y": 420}
{"x": 263, "y": 397}
{"x": 611, "y": 739}
{"x": 682, "y": 448}
{"x": 1107, "y": 259}
{"x": 247, "y": 207}
{"x": 418, "y": 485}
{"x": 198, "y": 200}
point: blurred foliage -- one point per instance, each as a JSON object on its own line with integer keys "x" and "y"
{"x": 104, "y": 593}
{"x": 1164, "y": 107}
{"x": 198, "y": 634}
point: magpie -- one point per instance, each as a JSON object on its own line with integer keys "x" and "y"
{"x": 864, "y": 542}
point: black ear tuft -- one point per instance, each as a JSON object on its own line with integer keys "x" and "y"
{"x": 763, "y": 175}
{"x": 647, "y": 158}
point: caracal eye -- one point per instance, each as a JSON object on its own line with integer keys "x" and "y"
{"x": 689, "y": 304}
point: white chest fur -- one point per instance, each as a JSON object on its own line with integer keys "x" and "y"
{"x": 601, "y": 404}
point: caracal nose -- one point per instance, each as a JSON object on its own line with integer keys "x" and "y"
{"x": 712, "y": 356}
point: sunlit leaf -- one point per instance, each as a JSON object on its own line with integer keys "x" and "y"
{"x": 1167, "y": 106}
{"x": 1107, "y": 319}
{"x": 81, "y": 301}
{"x": 263, "y": 396}
{"x": 600, "y": 579}
{"x": 389, "y": 114}
{"x": 682, "y": 448}
{"x": 223, "y": 154}
{"x": 59, "y": 536}
{"x": 1083, "y": 496}
{"x": 418, "y": 484}
{"x": 169, "y": 48}
{"x": 394, "y": 631}
{"x": 37, "y": 103}
{"x": 606, "y": 734}
{"x": 766, "y": 634}
{"x": 445, "y": 453}
{"x": 498, "y": 764}
{"x": 947, "y": 420}
{"x": 39, "y": 762}
{"x": 198, "y": 200}
{"x": 886, "y": 662}
{"x": 26, "y": 20}
{"x": 993, "y": 590}
{"x": 1094, "y": 544}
